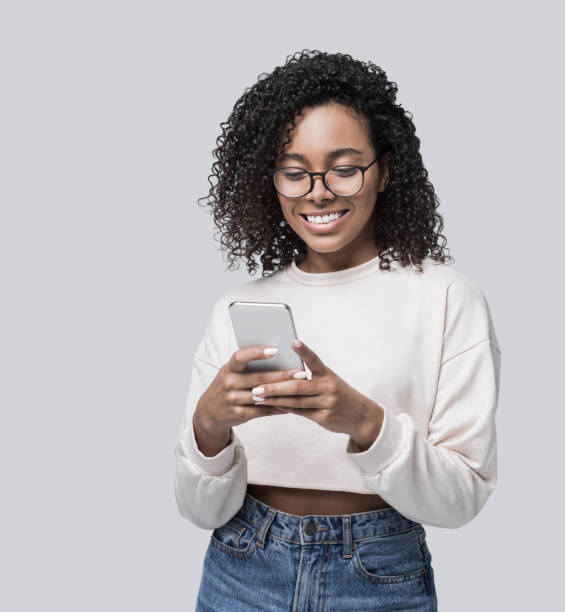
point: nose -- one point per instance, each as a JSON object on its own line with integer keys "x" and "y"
{"x": 319, "y": 191}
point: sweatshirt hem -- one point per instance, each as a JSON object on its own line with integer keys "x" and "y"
{"x": 386, "y": 447}
{"x": 312, "y": 485}
{"x": 216, "y": 465}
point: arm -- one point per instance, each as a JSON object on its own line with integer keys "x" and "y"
{"x": 443, "y": 479}
{"x": 209, "y": 490}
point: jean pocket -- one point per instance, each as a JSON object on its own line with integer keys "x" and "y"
{"x": 391, "y": 558}
{"x": 237, "y": 537}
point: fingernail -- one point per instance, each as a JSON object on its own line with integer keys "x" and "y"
{"x": 258, "y": 399}
{"x": 301, "y": 374}
{"x": 257, "y": 390}
{"x": 270, "y": 351}
{"x": 296, "y": 343}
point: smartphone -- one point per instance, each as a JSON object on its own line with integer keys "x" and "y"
{"x": 266, "y": 324}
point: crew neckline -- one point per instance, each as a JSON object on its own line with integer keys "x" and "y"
{"x": 332, "y": 278}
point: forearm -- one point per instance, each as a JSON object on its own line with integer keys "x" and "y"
{"x": 367, "y": 425}
{"x": 209, "y": 488}
{"x": 429, "y": 484}
{"x": 209, "y": 500}
{"x": 208, "y": 441}
{"x": 441, "y": 476}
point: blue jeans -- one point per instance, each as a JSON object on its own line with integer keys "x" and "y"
{"x": 268, "y": 560}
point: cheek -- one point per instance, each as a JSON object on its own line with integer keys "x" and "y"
{"x": 365, "y": 205}
{"x": 286, "y": 209}
{"x": 368, "y": 195}
{"x": 298, "y": 228}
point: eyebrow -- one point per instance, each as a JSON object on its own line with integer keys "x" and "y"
{"x": 329, "y": 156}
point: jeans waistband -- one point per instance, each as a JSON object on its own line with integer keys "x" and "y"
{"x": 317, "y": 528}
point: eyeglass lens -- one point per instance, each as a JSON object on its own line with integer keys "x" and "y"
{"x": 295, "y": 182}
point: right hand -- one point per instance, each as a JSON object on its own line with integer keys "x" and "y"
{"x": 228, "y": 399}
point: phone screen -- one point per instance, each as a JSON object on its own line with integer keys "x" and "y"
{"x": 266, "y": 324}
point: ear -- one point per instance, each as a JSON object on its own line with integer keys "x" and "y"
{"x": 384, "y": 168}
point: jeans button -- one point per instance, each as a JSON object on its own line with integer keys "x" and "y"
{"x": 310, "y": 528}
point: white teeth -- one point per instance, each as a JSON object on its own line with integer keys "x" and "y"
{"x": 324, "y": 218}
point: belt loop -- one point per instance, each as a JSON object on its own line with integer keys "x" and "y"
{"x": 347, "y": 540}
{"x": 263, "y": 528}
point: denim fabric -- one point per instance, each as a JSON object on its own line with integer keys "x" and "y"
{"x": 265, "y": 559}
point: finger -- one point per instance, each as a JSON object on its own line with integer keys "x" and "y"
{"x": 255, "y": 379}
{"x": 249, "y": 380}
{"x": 310, "y": 358}
{"x": 256, "y": 411}
{"x": 251, "y": 408}
{"x": 287, "y": 387}
{"x": 242, "y": 357}
{"x": 310, "y": 413}
{"x": 288, "y": 401}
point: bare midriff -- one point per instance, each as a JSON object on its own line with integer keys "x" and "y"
{"x": 315, "y": 501}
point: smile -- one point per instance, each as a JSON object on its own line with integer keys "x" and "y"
{"x": 322, "y": 223}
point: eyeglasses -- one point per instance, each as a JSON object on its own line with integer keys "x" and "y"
{"x": 346, "y": 180}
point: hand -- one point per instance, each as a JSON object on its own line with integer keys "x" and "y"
{"x": 228, "y": 400}
{"x": 326, "y": 399}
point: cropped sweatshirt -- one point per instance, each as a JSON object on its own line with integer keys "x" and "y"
{"x": 420, "y": 345}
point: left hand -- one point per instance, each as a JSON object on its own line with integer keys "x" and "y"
{"x": 326, "y": 399}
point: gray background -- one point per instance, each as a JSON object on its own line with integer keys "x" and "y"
{"x": 109, "y": 114}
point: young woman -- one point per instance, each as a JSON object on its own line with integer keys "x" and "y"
{"x": 317, "y": 487}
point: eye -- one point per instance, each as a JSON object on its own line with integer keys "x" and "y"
{"x": 293, "y": 174}
{"x": 345, "y": 170}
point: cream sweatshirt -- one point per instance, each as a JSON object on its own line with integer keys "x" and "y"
{"x": 422, "y": 346}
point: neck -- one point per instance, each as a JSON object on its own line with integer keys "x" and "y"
{"x": 318, "y": 263}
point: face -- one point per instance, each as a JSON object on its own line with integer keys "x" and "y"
{"x": 320, "y": 131}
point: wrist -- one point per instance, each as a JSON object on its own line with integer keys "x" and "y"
{"x": 210, "y": 441}
{"x": 368, "y": 427}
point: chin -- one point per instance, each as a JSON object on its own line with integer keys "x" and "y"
{"x": 334, "y": 247}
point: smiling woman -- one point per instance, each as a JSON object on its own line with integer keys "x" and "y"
{"x": 348, "y": 115}
{"x": 332, "y": 133}
{"x": 317, "y": 489}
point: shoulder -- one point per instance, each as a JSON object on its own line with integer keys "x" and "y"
{"x": 256, "y": 288}
{"x": 461, "y": 294}
{"x": 468, "y": 317}
{"x": 459, "y": 286}
{"x": 443, "y": 283}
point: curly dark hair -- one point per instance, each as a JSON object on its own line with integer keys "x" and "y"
{"x": 244, "y": 201}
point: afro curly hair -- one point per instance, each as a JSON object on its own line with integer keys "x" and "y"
{"x": 244, "y": 201}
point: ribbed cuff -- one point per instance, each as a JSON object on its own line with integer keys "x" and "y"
{"x": 216, "y": 465}
{"x": 384, "y": 450}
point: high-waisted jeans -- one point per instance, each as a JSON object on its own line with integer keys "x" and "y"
{"x": 268, "y": 560}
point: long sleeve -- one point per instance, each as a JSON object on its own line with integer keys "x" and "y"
{"x": 208, "y": 490}
{"x": 444, "y": 479}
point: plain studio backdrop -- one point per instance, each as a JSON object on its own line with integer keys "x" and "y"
{"x": 109, "y": 113}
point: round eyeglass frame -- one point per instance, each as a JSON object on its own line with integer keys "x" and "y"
{"x": 323, "y": 175}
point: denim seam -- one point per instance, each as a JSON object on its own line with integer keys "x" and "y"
{"x": 398, "y": 578}
{"x": 322, "y": 580}
{"x": 380, "y": 535}
{"x": 271, "y": 535}
{"x": 300, "y": 574}
{"x": 244, "y": 553}
{"x": 385, "y": 535}
{"x": 428, "y": 588}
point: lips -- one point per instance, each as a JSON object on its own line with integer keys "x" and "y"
{"x": 324, "y": 228}
{"x": 318, "y": 214}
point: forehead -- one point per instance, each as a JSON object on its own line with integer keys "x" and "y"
{"x": 324, "y": 132}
